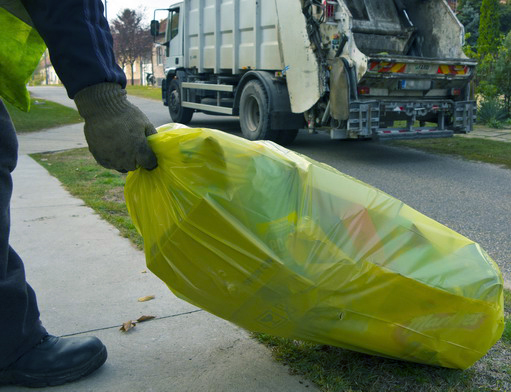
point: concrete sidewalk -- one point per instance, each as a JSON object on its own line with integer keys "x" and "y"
{"x": 88, "y": 279}
{"x": 483, "y": 132}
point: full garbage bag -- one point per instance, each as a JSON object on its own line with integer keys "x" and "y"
{"x": 278, "y": 243}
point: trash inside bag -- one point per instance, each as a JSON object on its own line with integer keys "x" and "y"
{"x": 278, "y": 243}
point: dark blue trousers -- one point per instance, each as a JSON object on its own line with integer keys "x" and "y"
{"x": 20, "y": 328}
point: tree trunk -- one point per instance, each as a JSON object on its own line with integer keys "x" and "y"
{"x": 132, "y": 78}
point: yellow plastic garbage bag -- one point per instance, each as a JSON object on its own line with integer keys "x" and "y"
{"x": 278, "y": 243}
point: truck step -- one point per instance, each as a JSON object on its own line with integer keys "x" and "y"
{"x": 415, "y": 133}
{"x": 225, "y": 102}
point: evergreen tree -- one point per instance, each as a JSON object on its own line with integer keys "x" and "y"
{"x": 489, "y": 28}
{"x": 505, "y": 18}
{"x": 502, "y": 72}
{"x": 468, "y": 14}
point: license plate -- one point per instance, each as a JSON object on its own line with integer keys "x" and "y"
{"x": 415, "y": 84}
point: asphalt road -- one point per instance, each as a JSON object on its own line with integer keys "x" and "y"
{"x": 472, "y": 198}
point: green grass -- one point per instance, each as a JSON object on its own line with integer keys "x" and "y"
{"x": 489, "y": 151}
{"x": 331, "y": 369}
{"x": 506, "y": 336}
{"x": 100, "y": 188}
{"x": 145, "y": 92}
{"x": 334, "y": 369}
{"x": 43, "y": 114}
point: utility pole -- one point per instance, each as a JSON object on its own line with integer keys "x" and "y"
{"x": 106, "y": 13}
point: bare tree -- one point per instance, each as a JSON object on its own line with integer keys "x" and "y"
{"x": 131, "y": 40}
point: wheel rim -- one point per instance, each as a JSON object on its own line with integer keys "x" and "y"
{"x": 253, "y": 115}
{"x": 174, "y": 103}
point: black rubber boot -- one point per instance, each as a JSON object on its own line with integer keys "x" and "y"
{"x": 55, "y": 361}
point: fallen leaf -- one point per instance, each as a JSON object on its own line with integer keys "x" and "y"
{"x": 146, "y": 298}
{"x": 125, "y": 327}
{"x": 141, "y": 319}
{"x": 143, "y": 272}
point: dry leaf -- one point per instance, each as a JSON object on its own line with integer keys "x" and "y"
{"x": 141, "y": 319}
{"x": 125, "y": 327}
{"x": 143, "y": 272}
{"x": 146, "y": 298}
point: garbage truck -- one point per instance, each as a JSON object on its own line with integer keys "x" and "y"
{"x": 357, "y": 69}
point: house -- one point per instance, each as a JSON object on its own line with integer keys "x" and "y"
{"x": 158, "y": 54}
{"x": 141, "y": 68}
{"x": 153, "y": 65}
{"x": 45, "y": 73}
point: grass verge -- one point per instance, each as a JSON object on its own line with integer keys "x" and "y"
{"x": 330, "y": 368}
{"x": 334, "y": 369}
{"x": 149, "y": 92}
{"x": 100, "y": 188}
{"x": 42, "y": 115}
{"x": 506, "y": 336}
{"x": 483, "y": 150}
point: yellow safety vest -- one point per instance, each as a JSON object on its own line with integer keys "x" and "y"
{"x": 21, "y": 48}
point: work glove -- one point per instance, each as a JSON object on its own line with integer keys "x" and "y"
{"x": 115, "y": 129}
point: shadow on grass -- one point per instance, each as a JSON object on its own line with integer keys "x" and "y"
{"x": 336, "y": 369}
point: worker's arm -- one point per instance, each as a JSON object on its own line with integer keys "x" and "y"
{"x": 81, "y": 51}
{"x": 79, "y": 41}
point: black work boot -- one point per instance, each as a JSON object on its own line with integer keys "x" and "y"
{"x": 55, "y": 361}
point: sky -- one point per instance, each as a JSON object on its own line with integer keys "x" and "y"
{"x": 115, "y": 6}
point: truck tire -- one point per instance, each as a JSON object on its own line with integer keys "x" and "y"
{"x": 178, "y": 113}
{"x": 286, "y": 136}
{"x": 254, "y": 114}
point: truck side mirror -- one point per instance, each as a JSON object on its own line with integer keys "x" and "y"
{"x": 155, "y": 28}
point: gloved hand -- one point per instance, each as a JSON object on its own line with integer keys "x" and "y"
{"x": 115, "y": 129}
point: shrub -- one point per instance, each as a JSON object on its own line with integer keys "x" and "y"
{"x": 491, "y": 112}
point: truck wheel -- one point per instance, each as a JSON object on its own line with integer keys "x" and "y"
{"x": 255, "y": 113}
{"x": 286, "y": 136}
{"x": 178, "y": 113}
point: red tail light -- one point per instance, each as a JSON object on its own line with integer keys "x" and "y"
{"x": 364, "y": 90}
{"x": 329, "y": 10}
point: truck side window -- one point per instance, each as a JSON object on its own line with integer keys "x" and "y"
{"x": 173, "y": 29}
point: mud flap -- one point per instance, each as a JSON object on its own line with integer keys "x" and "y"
{"x": 339, "y": 91}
